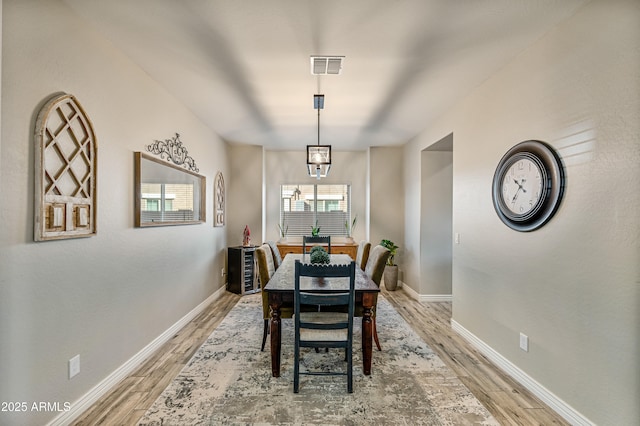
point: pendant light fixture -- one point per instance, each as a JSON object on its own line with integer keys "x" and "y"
{"x": 318, "y": 156}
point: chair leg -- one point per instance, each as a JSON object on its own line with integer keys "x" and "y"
{"x": 349, "y": 370}
{"x": 296, "y": 367}
{"x": 375, "y": 334}
{"x": 264, "y": 334}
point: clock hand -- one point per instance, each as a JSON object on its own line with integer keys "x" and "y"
{"x": 519, "y": 185}
{"x": 520, "y": 188}
{"x": 516, "y": 195}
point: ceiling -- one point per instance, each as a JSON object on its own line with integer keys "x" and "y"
{"x": 242, "y": 66}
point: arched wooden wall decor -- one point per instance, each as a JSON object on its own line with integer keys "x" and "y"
{"x": 65, "y": 166}
{"x": 219, "y": 200}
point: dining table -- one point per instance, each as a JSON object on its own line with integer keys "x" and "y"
{"x": 280, "y": 289}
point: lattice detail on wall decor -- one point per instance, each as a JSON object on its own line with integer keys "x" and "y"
{"x": 219, "y": 200}
{"x": 66, "y": 162}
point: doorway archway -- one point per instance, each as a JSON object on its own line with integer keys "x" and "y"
{"x": 436, "y": 221}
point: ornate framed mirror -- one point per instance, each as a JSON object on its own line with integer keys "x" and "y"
{"x": 167, "y": 195}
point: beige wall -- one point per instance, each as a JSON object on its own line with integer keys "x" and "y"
{"x": 257, "y": 174}
{"x": 573, "y": 285}
{"x": 244, "y": 207}
{"x": 387, "y": 198}
{"x": 436, "y": 196}
{"x": 106, "y": 297}
{"x": 289, "y": 167}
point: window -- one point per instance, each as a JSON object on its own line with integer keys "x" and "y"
{"x": 152, "y": 205}
{"x": 302, "y": 205}
{"x": 176, "y": 197}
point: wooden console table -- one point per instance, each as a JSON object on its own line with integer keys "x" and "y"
{"x": 350, "y": 249}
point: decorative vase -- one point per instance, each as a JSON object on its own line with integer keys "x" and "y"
{"x": 391, "y": 277}
{"x": 246, "y": 236}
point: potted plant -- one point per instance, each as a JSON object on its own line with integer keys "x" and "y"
{"x": 350, "y": 228}
{"x": 319, "y": 255}
{"x": 315, "y": 230}
{"x": 284, "y": 229}
{"x": 391, "y": 269}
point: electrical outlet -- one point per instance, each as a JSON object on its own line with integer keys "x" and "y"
{"x": 222, "y": 272}
{"x": 457, "y": 238}
{"x": 74, "y": 366}
{"x": 524, "y": 342}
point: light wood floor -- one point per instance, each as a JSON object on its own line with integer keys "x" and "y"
{"x": 509, "y": 402}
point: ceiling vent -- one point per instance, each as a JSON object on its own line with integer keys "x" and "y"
{"x": 326, "y": 65}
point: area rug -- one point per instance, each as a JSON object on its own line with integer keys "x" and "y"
{"x": 228, "y": 381}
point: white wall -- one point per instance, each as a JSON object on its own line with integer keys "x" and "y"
{"x": 573, "y": 285}
{"x": 106, "y": 297}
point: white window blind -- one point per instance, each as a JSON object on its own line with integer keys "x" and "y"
{"x": 302, "y": 205}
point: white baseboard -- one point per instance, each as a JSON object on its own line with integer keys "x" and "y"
{"x": 558, "y": 405}
{"x": 424, "y": 297}
{"x": 87, "y": 400}
{"x": 436, "y": 298}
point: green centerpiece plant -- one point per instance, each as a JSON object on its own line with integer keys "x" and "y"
{"x": 319, "y": 255}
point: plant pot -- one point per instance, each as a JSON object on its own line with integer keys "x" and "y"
{"x": 391, "y": 277}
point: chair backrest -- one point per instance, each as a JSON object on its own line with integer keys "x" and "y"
{"x": 265, "y": 271}
{"x": 363, "y": 254}
{"x": 266, "y": 267}
{"x": 275, "y": 251}
{"x": 316, "y": 240}
{"x": 342, "y": 297}
{"x": 376, "y": 263}
{"x": 324, "y": 329}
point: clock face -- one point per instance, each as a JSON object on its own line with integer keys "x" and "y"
{"x": 522, "y": 186}
{"x": 528, "y": 186}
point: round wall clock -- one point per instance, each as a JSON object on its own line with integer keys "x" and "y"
{"x": 528, "y": 186}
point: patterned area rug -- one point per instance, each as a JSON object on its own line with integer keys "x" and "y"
{"x": 228, "y": 381}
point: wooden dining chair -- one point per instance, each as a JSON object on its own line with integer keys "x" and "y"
{"x": 324, "y": 329}
{"x": 266, "y": 269}
{"x": 316, "y": 240}
{"x": 362, "y": 255}
{"x": 374, "y": 269}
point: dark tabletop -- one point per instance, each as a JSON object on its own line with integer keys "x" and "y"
{"x": 284, "y": 277}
